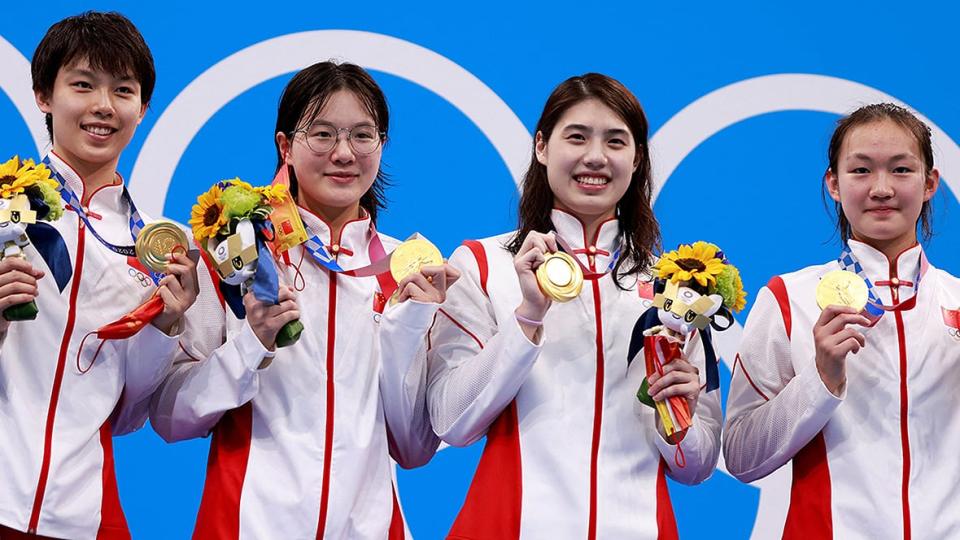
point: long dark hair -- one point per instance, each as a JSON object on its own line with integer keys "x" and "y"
{"x": 869, "y": 114}
{"x": 307, "y": 93}
{"x": 640, "y": 233}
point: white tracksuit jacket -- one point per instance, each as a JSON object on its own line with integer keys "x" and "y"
{"x": 880, "y": 461}
{"x": 301, "y": 448}
{"x": 570, "y": 451}
{"x": 56, "y": 463}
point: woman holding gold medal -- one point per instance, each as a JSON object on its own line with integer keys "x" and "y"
{"x": 848, "y": 369}
{"x": 303, "y": 434}
{"x": 530, "y": 348}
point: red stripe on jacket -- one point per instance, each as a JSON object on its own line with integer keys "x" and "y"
{"x": 113, "y": 524}
{"x": 58, "y": 382}
{"x": 397, "y": 530}
{"x": 481, "y": 256}
{"x": 492, "y": 508}
{"x": 779, "y": 290}
{"x": 219, "y": 515}
{"x": 810, "y": 512}
{"x": 666, "y": 522}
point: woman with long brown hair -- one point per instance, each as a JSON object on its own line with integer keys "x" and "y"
{"x": 570, "y": 452}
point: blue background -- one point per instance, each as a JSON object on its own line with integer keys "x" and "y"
{"x": 755, "y": 185}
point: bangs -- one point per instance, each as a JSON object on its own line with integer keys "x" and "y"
{"x": 101, "y": 56}
{"x": 108, "y": 42}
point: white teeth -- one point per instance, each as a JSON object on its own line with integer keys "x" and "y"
{"x": 98, "y": 130}
{"x": 592, "y": 180}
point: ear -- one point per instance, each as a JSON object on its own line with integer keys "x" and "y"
{"x": 931, "y": 184}
{"x": 540, "y": 147}
{"x": 283, "y": 143}
{"x": 143, "y": 112}
{"x": 833, "y": 184}
{"x": 43, "y": 102}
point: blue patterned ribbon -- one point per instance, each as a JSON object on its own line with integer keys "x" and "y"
{"x": 875, "y": 307}
{"x": 136, "y": 222}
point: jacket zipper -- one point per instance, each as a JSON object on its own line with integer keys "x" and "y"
{"x": 57, "y": 382}
{"x": 328, "y": 431}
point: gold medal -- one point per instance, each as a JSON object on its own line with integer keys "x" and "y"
{"x": 842, "y": 288}
{"x": 560, "y": 277}
{"x": 411, "y": 255}
{"x": 157, "y": 240}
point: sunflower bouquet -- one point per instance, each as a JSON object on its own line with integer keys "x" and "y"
{"x": 231, "y": 222}
{"x": 28, "y": 194}
{"x": 703, "y": 267}
{"x": 695, "y": 287}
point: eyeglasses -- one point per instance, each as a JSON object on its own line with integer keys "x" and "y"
{"x": 322, "y": 138}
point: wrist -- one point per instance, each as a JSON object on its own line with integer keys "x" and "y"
{"x": 530, "y": 311}
{"x": 165, "y": 324}
{"x": 269, "y": 345}
{"x": 527, "y": 321}
{"x": 833, "y": 382}
{"x": 530, "y": 326}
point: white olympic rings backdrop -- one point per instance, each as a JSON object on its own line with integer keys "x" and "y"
{"x": 187, "y": 113}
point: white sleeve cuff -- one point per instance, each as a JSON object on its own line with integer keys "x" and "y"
{"x": 150, "y": 338}
{"x": 515, "y": 329}
{"x": 412, "y": 314}
{"x": 251, "y": 351}
{"x": 818, "y": 395}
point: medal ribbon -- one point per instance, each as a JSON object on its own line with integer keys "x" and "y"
{"x": 132, "y": 322}
{"x": 875, "y": 307}
{"x": 136, "y": 222}
{"x": 379, "y": 261}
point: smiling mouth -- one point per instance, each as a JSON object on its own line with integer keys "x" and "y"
{"x": 587, "y": 180}
{"x": 100, "y": 131}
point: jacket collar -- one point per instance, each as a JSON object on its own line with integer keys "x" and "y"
{"x": 107, "y": 199}
{"x": 352, "y": 242}
{"x": 595, "y": 253}
{"x": 886, "y": 274}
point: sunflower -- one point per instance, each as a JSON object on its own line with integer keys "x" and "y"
{"x": 10, "y": 167}
{"x": 15, "y": 178}
{"x": 238, "y": 182}
{"x": 207, "y": 216}
{"x": 275, "y": 193}
{"x": 44, "y": 176}
{"x": 698, "y": 262}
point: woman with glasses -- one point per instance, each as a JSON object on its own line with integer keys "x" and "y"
{"x": 302, "y": 435}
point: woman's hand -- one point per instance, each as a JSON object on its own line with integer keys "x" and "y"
{"x": 535, "y": 304}
{"x": 266, "y": 320}
{"x": 429, "y": 285}
{"x": 833, "y": 339}
{"x": 178, "y": 289}
{"x": 18, "y": 285}
{"x": 680, "y": 378}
